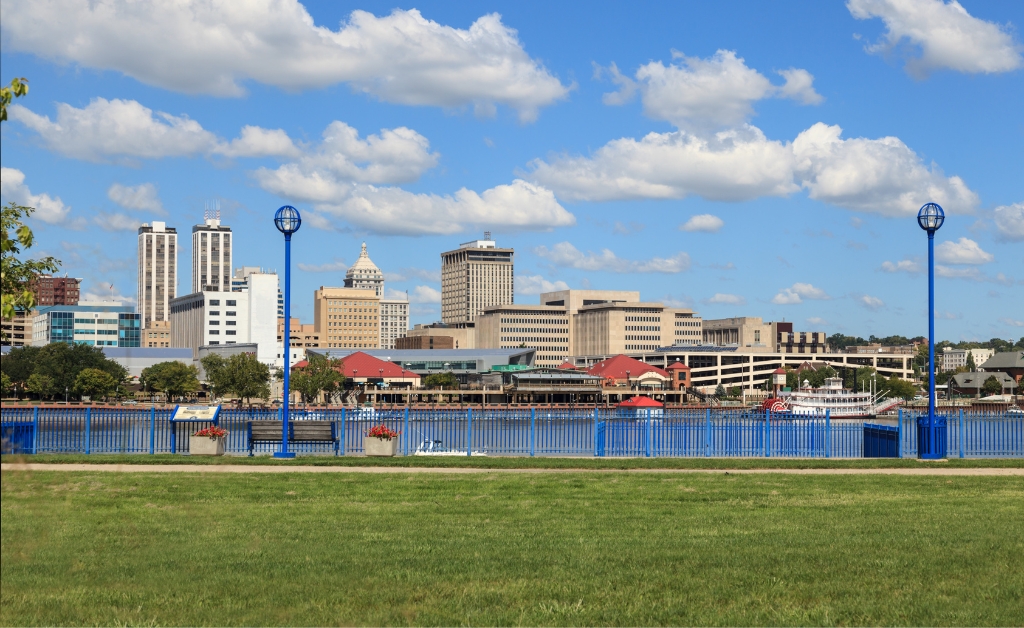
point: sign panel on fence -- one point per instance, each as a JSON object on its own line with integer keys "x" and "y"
{"x": 195, "y": 413}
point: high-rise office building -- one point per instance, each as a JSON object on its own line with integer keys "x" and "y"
{"x": 476, "y": 275}
{"x": 364, "y": 275}
{"x": 347, "y": 318}
{"x": 50, "y": 290}
{"x": 158, "y": 271}
{"x": 240, "y": 283}
{"x": 211, "y": 255}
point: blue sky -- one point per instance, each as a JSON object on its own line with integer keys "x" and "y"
{"x": 742, "y": 159}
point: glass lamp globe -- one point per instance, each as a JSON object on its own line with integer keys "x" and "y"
{"x": 930, "y": 217}
{"x": 287, "y": 220}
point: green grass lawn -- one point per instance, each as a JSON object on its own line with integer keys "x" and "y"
{"x": 522, "y": 462}
{"x": 545, "y": 549}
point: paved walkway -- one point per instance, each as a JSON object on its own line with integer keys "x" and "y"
{"x": 227, "y": 468}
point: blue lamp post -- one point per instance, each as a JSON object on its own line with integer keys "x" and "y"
{"x": 931, "y": 443}
{"x": 287, "y": 220}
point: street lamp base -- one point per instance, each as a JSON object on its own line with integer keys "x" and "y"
{"x": 284, "y": 454}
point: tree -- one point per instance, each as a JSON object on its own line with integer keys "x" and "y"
{"x": 95, "y": 383}
{"x": 172, "y": 378}
{"x": 971, "y": 366}
{"x": 16, "y": 274}
{"x": 438, "y": 380}
{"x": 898, "y": 388}
{"x": 5, "y": 383}
{"x": 17, "y": 89}
{"x": 63, "y": 362}
{"x": 217, "y": 379}
{"x": 41, "y": 385}
{"x": 20, "y": 363}
{"x": 319, "y": 375}
{"x": 248, "y": 378}
{"x": 720, "y": 391}
{"x": 992, "y": 386}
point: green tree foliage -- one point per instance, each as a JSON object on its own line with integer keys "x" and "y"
{"x": 15, "y": 273}
{"x": 815, "y": 377}
{"x": 320, "y": 375}
{"x": 720, "y": 391}
{"x": 897, "y": 388}
{"x": 971, "y": 366}
{"x": 17, "y": 89}
{"x": 437, "y": 380}
{"x": 992, "y": 386}
{"x": 41, "y": 385}
{"x": 5, "y": 383}
{"x": 247, "y": 377}
{"x": 95, "y": 383}
{"x": 60, "y": 363}
{"x": 173, "y": 378}
{"x": 20, "y": 363}
{"x": 215, "y": 367}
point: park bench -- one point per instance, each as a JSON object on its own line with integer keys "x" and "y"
{"x": 298, "y": 432}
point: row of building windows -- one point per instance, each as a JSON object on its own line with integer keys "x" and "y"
{"x": 643, "y": 328}
{"x": 534, "y": 321}
{"x": 227, "y": 332}
{"x": 654, "y": 338}
{"x": 687, "y": 323}
{"x": 687, "y": 332}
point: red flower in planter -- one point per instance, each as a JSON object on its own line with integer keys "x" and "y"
{"x": 213, "y": 432}
{"x": 382, "y": 432}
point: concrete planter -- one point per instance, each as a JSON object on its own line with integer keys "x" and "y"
{"x": 373, "y": 446}
{"x": 205, "y": 446}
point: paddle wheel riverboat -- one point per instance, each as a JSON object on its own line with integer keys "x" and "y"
{"x": 841, "y": 403}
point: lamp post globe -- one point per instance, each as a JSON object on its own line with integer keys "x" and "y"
{"x": 930, "y": 218}
{"x": 287, "y": 220}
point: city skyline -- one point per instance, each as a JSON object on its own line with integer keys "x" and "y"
{"x": 769, "y": 164}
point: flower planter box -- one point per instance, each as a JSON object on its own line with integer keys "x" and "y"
{"x": 205, "y": 446}
{"x": 373, "y": 446}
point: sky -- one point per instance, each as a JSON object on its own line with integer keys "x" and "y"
{"x": 738, "y": 158}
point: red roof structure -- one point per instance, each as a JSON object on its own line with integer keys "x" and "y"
{"x": 779, "y": 371}
{"x": 567, "y": 365}
{"x": 616, "y": 367}
{"x": 641, "y": 402}
{"x": 364, "y": 365}
{"x": 677, "y": 366}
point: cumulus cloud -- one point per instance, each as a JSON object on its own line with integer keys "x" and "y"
{"x": 726, "y": 299}
{"x": 323, "y": 174}
{"x": 946, "y": 34}
{"x": 1011, "y": 322}
{"x": 116, "y": 127}
{"x": 142, "y": 197}
{"x": 708, "y": 223}
{"x": 972, "y": 274}
{"x": 902, "y": 266}
{"x": 566, "y": 255}
{"x": 425, "y": 294}
{"x": 519, "y": 206}
{"x": 797, "y": 293}
{"x": 423, "y": 274}
{"x": 697, "y": 93}
{"x": 1010, "y": 222}
{"x": 48, "y": 209}
{"x": 962, "y": 251}
{"x": 537, "y": 284}
{"x": 116, "y": 222}
{"x": 197, "y": 46}
{"x": 335, "y": 266}
{"x": 817, "y": 320}
{"x": 881, "y": 176}
{"x": 256, "y": 141}
{"x": 870, "y": 302}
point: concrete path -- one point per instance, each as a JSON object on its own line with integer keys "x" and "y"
{"x": 226, "y": 468}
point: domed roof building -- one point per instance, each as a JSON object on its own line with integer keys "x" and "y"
{"x": 364, "y": 275}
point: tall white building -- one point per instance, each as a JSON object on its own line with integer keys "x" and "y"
{"x": 394, "y": 321}
{"x": 475, "y": 276}
{"x": 364, "y": 275}
{"x": 225, "y": 318}
{"x": 211, "y": 255}
{"x": 158, "y": 271}
{"x": 240, "y": 283}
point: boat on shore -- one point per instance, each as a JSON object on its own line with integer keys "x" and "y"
{"x": 839, "y": 402}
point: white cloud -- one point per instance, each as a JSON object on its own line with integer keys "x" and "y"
{"x": 726, "y": 299}
{"x": 336, "y": 266}
{"x": 736, "y": 165}
{"x": 404, "y": 274}
{"x": 695, "y": 93}
{"x": 214, "y": 47}
{"x": 1010, "y": 222}
{"x": 142, "y": 197}
{"x": 870, "y": 302}
{"x": 817, "y": 320}
{"x": 947, "y": 35}
{"x": 703, "y": 222}
{"x": 48, "y": 209}
{"x": 116, "y": 127}
{"x": 963, "y": 251}
{"x": 1011, "y": 322}
{"x": 880, "y": 176}
{"x": 536, "y": 284}
{"x": 259, "y": 142}
{"x": 567, "y": 255}
{"x": 972, "y": 274}
{"x": 105, "y": 291}
{"x": 116, "y": 222}
{"x": 425, "y": 294}
{"x": 872, "y": 175}
{"x": 797, "y": 293}
{"x": 902, "y": 266}
{"x": 519, "y": 206}
{"x": 394, "y": 156}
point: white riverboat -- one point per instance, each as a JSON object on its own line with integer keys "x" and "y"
{"x": 839, "y": 402}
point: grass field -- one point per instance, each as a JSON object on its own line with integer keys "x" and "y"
{"x": 540, "y": 462}
{"x": 544, "y": 549}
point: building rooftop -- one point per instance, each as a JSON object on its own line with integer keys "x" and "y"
{"x": 1005, "y": 360}
{"x": 617, "y": 367}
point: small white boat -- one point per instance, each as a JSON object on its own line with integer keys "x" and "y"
{"x": 435, "y": 448}
{"x": 841, "y": 403}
